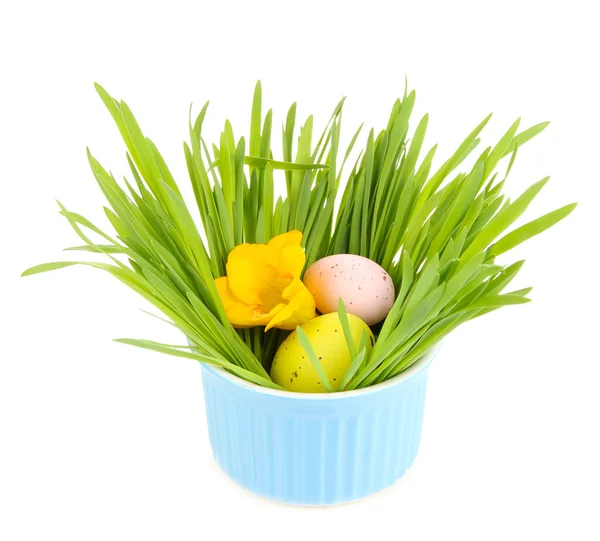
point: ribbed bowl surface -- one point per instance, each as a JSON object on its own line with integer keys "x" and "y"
{"x": 317, "y": 449}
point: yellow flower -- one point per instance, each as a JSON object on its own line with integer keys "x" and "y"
{"x": 263, "y": 285}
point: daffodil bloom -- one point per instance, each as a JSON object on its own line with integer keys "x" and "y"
{"x": 263, "y": 285}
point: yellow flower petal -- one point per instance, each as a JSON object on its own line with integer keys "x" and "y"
{"x": 253, "y": 276}
{"x": 288, "y": 253}
{"x": 263, "y": 285}
{"x": 299, "y": 310}
{"x": 227, "y": 296}
{"x": 240, "y": 314}
{"x": 291, "y": 238}
{"x": 292, "y": 261}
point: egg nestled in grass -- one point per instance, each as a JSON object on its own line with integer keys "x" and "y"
{"x": 365, "y": 287}
{"x": 292, "y": 367}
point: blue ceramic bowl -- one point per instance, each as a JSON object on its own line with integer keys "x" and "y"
{"x": 315, "y": 449}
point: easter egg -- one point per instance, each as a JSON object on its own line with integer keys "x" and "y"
{"x": 365, "y": 287}
{"x": 292, "y": 367}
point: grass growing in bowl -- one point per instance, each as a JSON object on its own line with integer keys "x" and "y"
{"x": 436, "y": 232}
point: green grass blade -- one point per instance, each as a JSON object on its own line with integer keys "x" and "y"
{"x": 177, "y": 352}
{"x": 504, "y": 219}
{"x": 352, "y": 369}
{"x": 255, "y": 120}
{"x": 314, "y": 358}
{"x": 261, "y": 163}
{"x": 99, "y": 249}
{"x": 343, "y": 317}
{"x": 526, "y": 135}
{"x": 46, "y": 267}
{"x": 531, "y": 229}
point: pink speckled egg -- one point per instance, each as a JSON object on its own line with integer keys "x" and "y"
{"x": 364, "y": 286}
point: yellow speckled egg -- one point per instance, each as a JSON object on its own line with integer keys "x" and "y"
{"x": 294, "y": 371}
{"x": 365, "y": 287}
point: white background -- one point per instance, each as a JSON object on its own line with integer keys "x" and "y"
{"x": 99, "y": 441}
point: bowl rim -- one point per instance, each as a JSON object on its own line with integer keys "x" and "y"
{"x": 413, "y": 370}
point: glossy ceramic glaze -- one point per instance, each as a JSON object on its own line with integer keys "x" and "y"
{"x": 315, "y": 449}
